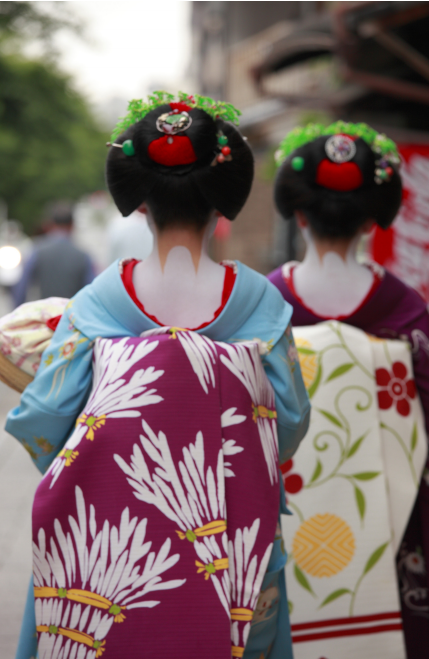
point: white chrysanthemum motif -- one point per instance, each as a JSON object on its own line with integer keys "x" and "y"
{"x": 245, "y": 363}
{"x": 111, "y": 397}
{"x": 246, "y": 572}
{"x": 107, "y": 565}
{"x": 230, "y": 418}
{"x": 188, "y": 494}
{"x": 201, "y": 353}
{"x": 213, "y": 564}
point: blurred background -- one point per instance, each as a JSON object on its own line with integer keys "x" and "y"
{"x": 67, "y": 71}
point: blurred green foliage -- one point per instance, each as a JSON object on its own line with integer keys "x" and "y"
{"x": 269, "y": 167}
{"x": 23, "y": 21}
{"x": 51, "y": 146}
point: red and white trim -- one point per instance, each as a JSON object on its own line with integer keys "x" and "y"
{"x": 340, "y": 627}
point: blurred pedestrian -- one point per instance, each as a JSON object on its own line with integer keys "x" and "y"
{"x": 129, "y": 237}
{"x": 56, "y": 266}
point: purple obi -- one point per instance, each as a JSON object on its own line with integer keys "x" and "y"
{"x": 154, "y": 525}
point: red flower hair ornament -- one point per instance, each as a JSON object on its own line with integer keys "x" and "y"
{"x": 339, "y": 170}
{"x": 175, "y": 147}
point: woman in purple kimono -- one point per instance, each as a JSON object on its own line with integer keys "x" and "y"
{"x": 338, "y": 181}
{"x": 156, "y": 524}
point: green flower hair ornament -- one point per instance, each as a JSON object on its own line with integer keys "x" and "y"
{"x": 138, "y": 109}
{"x": 378, "y": 142}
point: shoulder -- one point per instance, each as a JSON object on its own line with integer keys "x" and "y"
{"x": 87, "y": 308}
{"x": 280, "y": 277}
{"x": 104, "y": 308}
{"x": 262, "y": 286}
{"x": 275, "y": 276}
{"x": 267, "y": 313}
{"x": 404, "y": 298}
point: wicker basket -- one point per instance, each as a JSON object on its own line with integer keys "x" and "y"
{"x": 13, "y": 376}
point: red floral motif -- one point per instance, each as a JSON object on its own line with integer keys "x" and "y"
{"x": 395, "y": 388}
{"x": 293, "y": 482}
{"x": 5, "y": 349}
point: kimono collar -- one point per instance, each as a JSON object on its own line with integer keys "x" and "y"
{"x": 255, "y": 309}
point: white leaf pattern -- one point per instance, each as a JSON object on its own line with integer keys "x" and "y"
{"x": 111, "y": 397}
{"x": 190, "y": 496}
{"x": 109, "y": 570}
{"x": 245, "y": 363}
{"x": 201, "y": 353}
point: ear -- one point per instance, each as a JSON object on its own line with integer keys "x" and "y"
{"x": 301, "y": 220}
{"x": 142, "y": 208}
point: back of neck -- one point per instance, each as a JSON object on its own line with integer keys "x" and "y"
{"x": 178, "y": 283}
{"x": 331, "y": 282}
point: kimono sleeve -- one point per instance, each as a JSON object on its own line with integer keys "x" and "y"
{"x": 418, "y": 336}
{"x": 292, "y": 403}
{"x": 51, "y": 403}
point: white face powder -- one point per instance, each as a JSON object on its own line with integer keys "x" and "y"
{"x": 330, "y": 285}
{"x": 180, "y": 294}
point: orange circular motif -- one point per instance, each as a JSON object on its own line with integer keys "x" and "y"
{"x": 323, "y": 545}
{"x": 308, "y": 363}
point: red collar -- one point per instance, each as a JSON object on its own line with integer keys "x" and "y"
{"x": 228, "y": 285}
{"x": 287, "y": 275}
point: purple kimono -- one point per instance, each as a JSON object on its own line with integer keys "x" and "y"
{"x": 148, "y": 526}
{"x": 395, "y": 311}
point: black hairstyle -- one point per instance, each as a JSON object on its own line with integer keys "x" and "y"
{"x": 60, "y": 213}
{"x": 181, "y": 193}
{"x": 335, "y": 213}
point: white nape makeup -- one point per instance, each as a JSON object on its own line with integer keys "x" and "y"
{"x": 178, "y": 283}
{"x": 331, "y": 285}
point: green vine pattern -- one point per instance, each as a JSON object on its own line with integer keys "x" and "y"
{"x": 371, "y": 562}
{"x": 347, "y": 447}
{"x": 302, "y": 580}
{"x": 341, "y": 432}
{"x": 407, "y": 451}
{"x": 341, "y": 435}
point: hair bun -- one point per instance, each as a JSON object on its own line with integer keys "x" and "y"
{"x": 184, "y": 157}
{"x": 176, "y": 138}
{"x": 340, "y": 176}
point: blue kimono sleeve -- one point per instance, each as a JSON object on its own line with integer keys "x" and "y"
{"x": 292, "y": 403}
{"x": 51, "y": 403}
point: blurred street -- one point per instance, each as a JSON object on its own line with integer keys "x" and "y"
{"x": 18, "y": 481}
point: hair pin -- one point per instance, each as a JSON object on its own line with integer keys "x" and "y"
{"x": 224, "y": 150}
{"x": 127, "y": 147}
{"x": 383, "y": 171}
{"x": 297, "y": 164}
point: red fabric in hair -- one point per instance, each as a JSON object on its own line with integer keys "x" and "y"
{"x": 182, "y": 107}
{"x": 127, "y": 280}
{"x": 179, "y": 152}
{"x": 342, "y": 177}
